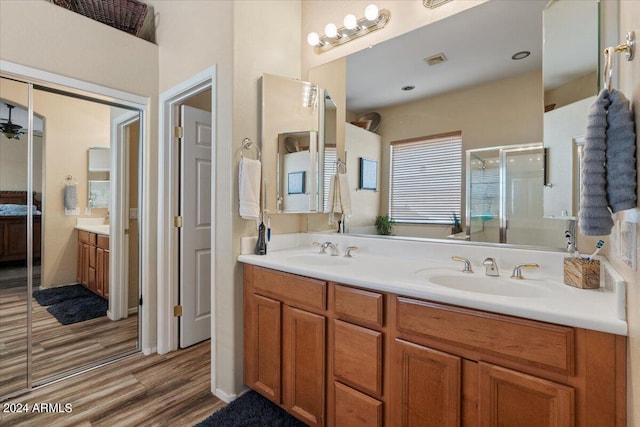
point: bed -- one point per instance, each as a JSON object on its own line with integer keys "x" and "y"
{"x": 13, "y": 226}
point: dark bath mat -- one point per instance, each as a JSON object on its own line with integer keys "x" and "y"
{"x": 251, "y": 410}
{"x": 52, "y": 296}
{"x": 79, "y": 309}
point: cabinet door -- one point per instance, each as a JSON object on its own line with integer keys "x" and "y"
{"x": 86, "y": 250}
{"x": 425, "y": 386}
{"x": 304, "y": 364}
{"x": 100, "y": 271}
{"x": 510, "y": 398}
{"x": 262, "y": 369}
{"x": 79, "y": 270}
{"x": 105, "y": 288}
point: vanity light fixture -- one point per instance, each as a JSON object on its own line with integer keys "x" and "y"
{"x": 432, "y": 4}
{"x": 520, "y": 55}
{"x": 352, "y": 28}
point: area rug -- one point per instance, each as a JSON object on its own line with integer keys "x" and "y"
{"x": 251, "y": 410}
{"x": 72, "y": 304}
{"x": 52, "y": 296}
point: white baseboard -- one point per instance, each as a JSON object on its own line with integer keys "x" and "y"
{"x": 149, "y": 350}
{"x": 229, "y": 397}
{"x": 110, "y": 315}
{"x": 133, "y": 310}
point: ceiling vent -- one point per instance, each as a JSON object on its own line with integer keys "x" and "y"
{"x": 432, "y": 4}
{"x": 436, "y": 59}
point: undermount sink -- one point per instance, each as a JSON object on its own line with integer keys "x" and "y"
{"x": 481, "y": 284}
{"x": 319, "y": 259}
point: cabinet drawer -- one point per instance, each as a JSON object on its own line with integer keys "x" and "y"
{"x": 358, "y": 305}
{"x": 291, "y": 289}
{"x": 355, "y": 409}
{"x": 103, "y": 241}
{"x": 533, "y": 343}
{"x": 357, "y": 357}
{"x": 87, "y": 237}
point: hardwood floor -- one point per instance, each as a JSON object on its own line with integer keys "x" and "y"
{"x": 156, "y": 390}
{"x": 56, "y": 348}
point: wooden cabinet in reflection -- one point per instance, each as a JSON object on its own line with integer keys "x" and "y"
{"x": 93, "y": 262}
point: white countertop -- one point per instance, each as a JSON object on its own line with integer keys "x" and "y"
{"x": 93, "y": 225}
{"x": 410, "y": 267}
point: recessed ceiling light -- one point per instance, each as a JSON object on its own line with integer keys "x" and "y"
{"x": 408, "y": 87}
{"x": 520, "y": 55}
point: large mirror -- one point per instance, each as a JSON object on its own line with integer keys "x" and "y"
{"x": 66, "y": 302}
{"x": 477, "y": 74}
{"x": 293, "y": 135}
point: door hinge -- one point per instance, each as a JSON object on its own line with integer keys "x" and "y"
{"x": 140, "y": 300}
{"x": 126, "y": 231}
{"x": 178, "y": 132}
{"x": 177, "y": 221}
{"x": 177, "y": 311}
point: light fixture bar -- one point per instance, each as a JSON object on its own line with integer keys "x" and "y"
{"x": 363, "y": 27}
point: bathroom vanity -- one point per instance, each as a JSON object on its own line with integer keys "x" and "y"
{"x": 93, "y": 258}
{"x": 346, "y": 344}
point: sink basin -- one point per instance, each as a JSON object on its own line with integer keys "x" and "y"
{"x": 318, "y": 259}
{"x": 481, "y": 284}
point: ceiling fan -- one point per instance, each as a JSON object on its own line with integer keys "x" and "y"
{"x": 9, "y": 129}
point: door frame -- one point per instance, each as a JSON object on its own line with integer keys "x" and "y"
{"x": 168, "y": 201}
{"x": 119, "y": 288}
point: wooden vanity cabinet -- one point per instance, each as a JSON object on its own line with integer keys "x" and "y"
{"x": 93, "y": 262}
{"x": 368, "y": 358}
{"x": 285, "y": 341}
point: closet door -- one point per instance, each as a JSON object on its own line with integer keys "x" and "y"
{"x": 16, "y": 247}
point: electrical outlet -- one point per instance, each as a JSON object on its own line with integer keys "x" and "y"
{"x": 133, "y": 213}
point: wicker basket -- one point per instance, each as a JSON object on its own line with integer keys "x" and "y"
{"x": 125, "y": 15}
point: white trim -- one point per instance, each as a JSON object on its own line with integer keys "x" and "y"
{"x": 228, "y": 397}
{"x": 119, "y": 241}
{"x": 167, "y": 205}
{"x": 132, "y": 310}
{"x": 149, "y": 350}
{"x": 45, "y": 78}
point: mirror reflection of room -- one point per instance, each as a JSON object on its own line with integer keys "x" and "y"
{"x": 493, "y": 100}
{"x": 73, "y": 324}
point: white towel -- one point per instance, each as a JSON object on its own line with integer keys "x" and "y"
{"x": 339, "y": 197}
{"x": 70, "y": 196}
{"x": 249, "y": 188}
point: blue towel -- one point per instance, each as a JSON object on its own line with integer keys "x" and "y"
{"x": 621, "y": 154}
{"x": 595, "y": 216}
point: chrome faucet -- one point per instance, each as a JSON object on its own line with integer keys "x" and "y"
{"x": 490, "y": 267}
{"x": 329, "y": 245}
{"x": 467, "y": 264}
{"x": 347, "y": 252}
{"x": 517, "y": 270}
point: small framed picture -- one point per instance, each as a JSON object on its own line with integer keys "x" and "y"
{"x": 295, "y": 182}
{"x": 368, "y": 174}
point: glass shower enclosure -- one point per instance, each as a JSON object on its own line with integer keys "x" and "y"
{"x": 504, "y": 196}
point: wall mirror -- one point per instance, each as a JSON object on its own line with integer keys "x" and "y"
{"x": 66, "y": 304}
{"x": 292, "y": 145}
{"x": 479, "y": 73}
{"x": 98, "y": 177}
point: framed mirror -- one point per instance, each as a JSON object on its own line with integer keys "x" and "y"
{"x": 292, "y": 145}
{"x": 98, "y": 177}
{"x": 486, "y": 84}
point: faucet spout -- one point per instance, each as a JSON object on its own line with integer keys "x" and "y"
{"x": 490, "y": 267}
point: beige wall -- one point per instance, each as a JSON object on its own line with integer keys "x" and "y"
{"x": 629, "y": 84}
{"x": 580, "y": 88}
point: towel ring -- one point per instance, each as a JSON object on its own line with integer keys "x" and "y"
{"x": 340, "y": 163}
{"x": 247, "y": 144}
{"x": 69, "y": 180}
{"x": 628, "y": 47}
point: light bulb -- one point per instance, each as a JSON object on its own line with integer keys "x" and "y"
{"x": 331, "y": 30}
{"x": 350, "y": 22}
{"x": 371, "y": 12}
{"x": 313, "y": 39}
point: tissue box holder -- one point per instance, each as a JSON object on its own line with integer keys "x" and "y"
{"x": 582, "y": 273}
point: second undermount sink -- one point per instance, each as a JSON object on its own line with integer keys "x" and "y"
{"x": 319, "y": 260}
{"x": 481, "y": 284}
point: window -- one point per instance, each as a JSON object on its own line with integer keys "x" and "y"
{"x": 426, "y": 179}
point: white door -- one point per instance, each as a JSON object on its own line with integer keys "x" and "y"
{"x": 195, "y": 235}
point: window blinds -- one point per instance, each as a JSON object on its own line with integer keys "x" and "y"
{"x": 426, "y": 179}
{"x": 330, "y": 159}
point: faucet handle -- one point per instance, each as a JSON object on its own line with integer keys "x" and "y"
{"x": 467, "y": 264}
{"x": 347, "y": 252}
{"x": 517, "y": 270}
{"x": 322, "y": 250}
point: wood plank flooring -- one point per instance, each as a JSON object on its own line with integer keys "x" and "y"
{"x": 56, "y": 348}
{"x": 156, "y": 390}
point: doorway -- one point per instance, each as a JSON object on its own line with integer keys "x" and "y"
{"x": 186, "y": 267}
